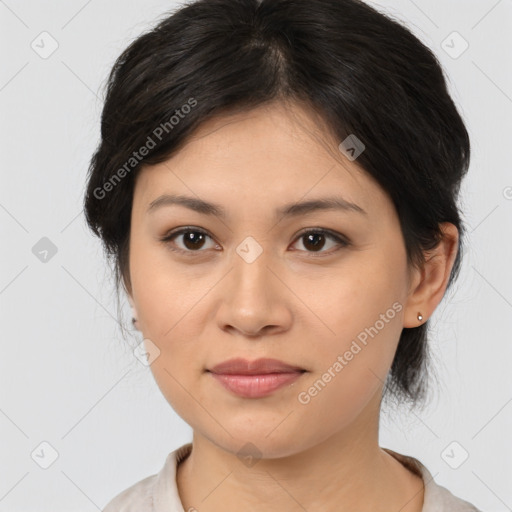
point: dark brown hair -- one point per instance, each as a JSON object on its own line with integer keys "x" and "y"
{"x": 361, "y": 71}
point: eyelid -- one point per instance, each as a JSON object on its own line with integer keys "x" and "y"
{"x": 340, "y": 239}
{"x": 180, "y": 231}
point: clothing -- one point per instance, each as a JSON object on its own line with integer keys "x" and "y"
{"x": 159, "y": 492}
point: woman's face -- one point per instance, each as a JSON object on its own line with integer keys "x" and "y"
{"x": 254, "y": 284}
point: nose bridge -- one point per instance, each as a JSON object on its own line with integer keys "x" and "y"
{"x": 251, "y": 273}
{"x": 252, "y": 301}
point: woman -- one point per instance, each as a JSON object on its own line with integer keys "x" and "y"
{"x": 277, "y": 185}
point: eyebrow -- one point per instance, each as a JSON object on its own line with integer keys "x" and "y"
{"x": 288, "y": 210}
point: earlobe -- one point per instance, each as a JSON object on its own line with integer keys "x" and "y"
{"x": 134, "y": 313}
{"x": 429, "y": 284}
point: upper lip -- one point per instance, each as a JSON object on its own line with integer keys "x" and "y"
{"x": 239, "y": 366}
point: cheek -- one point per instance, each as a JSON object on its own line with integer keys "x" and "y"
{"x": 367, "y": 292}
{"x": 166, "y": 295}
{"x": 351, "y": 365}
{"x": 169, "y": 309}
{"x": 360, "y": 313}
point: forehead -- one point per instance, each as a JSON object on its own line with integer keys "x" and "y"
{"x": 271, "y": 131}
{"x": 271, "y": 154}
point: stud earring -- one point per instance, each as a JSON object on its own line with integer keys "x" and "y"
{"x": 134, "y": 319}
{"x": 420, "y": 317}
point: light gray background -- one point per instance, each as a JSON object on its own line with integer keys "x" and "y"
{"x": 67, "y": 376}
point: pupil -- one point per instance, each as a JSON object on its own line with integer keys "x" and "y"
{"x": 316, "y": 245}
{"x": 189, "y": 238}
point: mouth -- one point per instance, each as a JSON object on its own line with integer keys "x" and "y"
{"x": 262, "y": 366}
{"x": 255, "y": 379}
{"x": 256, "y": 386}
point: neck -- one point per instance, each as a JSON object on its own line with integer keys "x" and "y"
{"x": 347, "y": 472}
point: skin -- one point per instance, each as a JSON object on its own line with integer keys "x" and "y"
{"x": 293, "y": 303}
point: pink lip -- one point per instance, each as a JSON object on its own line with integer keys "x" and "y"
{"x": 239, "y": 366}
{"x": 255, "y": 379}
{"x": 256, "y": 386}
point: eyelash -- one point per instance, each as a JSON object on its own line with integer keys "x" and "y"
{"x": 343, "y": 241}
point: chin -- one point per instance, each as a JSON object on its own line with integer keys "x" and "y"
{"x": 252, "y": 444}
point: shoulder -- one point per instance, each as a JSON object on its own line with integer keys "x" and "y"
{"x": 136, "y": 498}
{"x": 442, "y": 499}
{"x": 155, "y": 493}
{"x": 436, "y": 497}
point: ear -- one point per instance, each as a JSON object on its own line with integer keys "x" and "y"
{"x": 127, "y": 286}
{"x": 429, "y": 283}
{"x": 135, "y": 316}
{"x": 130, "y": 300}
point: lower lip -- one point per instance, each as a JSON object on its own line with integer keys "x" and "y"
{"x": 256, "y": 386}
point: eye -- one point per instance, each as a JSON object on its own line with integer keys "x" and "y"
{"x": 315, "y": 239}
{"x": 193, "y": 240}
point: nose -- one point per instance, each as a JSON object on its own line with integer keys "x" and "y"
{"x": 254, "y": 300}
